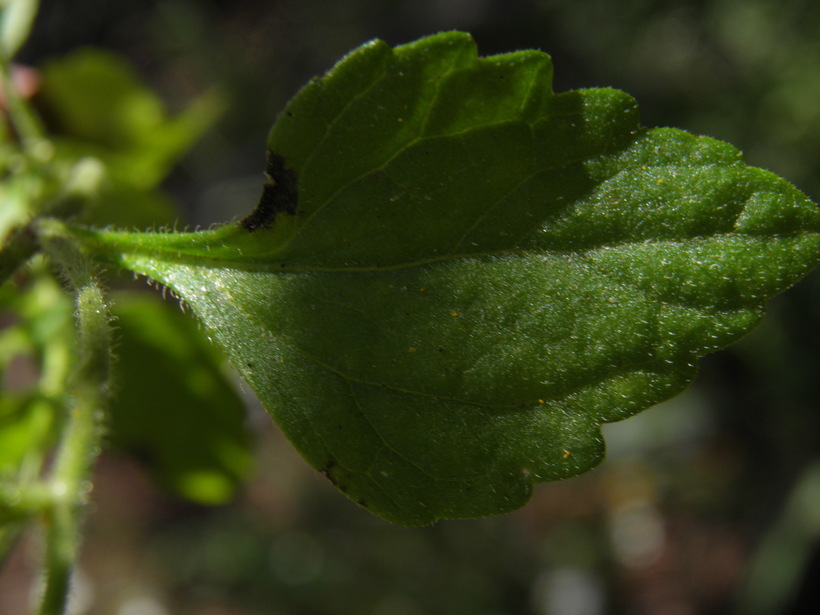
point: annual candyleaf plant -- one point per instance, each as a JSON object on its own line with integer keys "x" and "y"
{"x": 452, "y": 278}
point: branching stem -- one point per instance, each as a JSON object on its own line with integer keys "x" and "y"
{"x": 69, "y": 480}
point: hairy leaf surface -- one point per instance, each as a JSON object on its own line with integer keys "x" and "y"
{"x": 454, "y": 276}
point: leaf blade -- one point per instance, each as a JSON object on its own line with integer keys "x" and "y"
{"x": 436, "y": 357}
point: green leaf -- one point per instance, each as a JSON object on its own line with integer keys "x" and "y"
{"x": 99, "y": 107}
{"x": 123, "y": 206}
{"x": 454, "y": 276}
{"x": 175, "y": 408}
{"x": 25, "y": 425}
{"x": 16, "y": 19}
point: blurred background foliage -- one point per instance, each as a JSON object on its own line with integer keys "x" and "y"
{"x": 709, "y": 503}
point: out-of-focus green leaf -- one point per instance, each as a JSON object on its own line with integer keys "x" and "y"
{"x": 16, "y": 19}
{"x": 35, "y": 353}
{"x": 454, "y": 276}
{"x": 123, "y": 206}
{"x": 39, "y": 337}
{"x": 174, "y": 407}
{"x": 25, "y": 425}
{"x": 26, "y": 416}
{"x": 779, "y": 564}
{"x": 14, "y": 206}
{"x": 100, "y": 108}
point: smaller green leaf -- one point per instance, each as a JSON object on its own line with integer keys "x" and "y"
{"x": 124, "y": 206}
{"x": 16, "y": 19}
{"x": 25, "y": 429}
{"x": 175, "y": 408}
{"x": 101, "y": 108}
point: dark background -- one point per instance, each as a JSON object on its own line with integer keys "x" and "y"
{"x": 709, "y": 503}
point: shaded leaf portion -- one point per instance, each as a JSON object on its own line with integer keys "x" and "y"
{"x": 426, "y": 142}
{"x": 466, "y": 291}
{"x": 175, "y": 408}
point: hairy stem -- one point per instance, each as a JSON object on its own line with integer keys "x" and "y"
{"x": 70, "y": 475}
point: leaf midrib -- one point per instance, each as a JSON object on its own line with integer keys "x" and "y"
{"x": 129, "y": 257}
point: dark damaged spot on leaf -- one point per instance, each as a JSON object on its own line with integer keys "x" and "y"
{"x": 327, "y": 467}
{"x": 279, "y": 195}
{"x": 335, "y": 474}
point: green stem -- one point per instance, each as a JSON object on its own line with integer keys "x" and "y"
{"x": 70, "y": 475}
